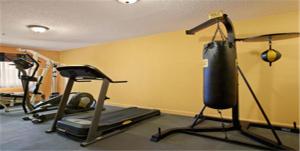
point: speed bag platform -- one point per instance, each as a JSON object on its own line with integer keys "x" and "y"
{"x": 220, "y": 75}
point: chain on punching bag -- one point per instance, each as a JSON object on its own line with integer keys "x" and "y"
{"x": 220, "y": 73}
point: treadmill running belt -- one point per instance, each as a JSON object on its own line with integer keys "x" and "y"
{"x": 79, "y": 125}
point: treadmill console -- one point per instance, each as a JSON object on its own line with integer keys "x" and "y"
{"x": 82, "y": 72}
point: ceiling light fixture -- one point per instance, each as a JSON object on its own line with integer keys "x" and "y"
{"x": 38, "y": 28}
{"x": 127, "y": 1}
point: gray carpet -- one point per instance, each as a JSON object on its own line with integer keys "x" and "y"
{"x": 17, "y": 134}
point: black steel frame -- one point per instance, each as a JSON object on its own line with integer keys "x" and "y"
{"x": 236, "y": 124}
{"x": 290, "y": 129}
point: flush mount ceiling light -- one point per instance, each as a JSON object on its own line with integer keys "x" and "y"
{"x": 38, "y": 28}
{"x": 127, "y": 1}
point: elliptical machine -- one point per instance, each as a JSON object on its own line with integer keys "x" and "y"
{"x": 23, "y": 64}
{"x": 46, "y": 109}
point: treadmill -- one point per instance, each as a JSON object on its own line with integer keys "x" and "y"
{"x": 94, "y": 125}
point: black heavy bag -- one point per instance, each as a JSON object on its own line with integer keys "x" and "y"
{"x": 220, "y": 75}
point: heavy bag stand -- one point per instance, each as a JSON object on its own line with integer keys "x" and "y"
{"x": 236, "y": 123}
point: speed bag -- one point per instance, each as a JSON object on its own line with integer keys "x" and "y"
{"x": 220, "y": 75}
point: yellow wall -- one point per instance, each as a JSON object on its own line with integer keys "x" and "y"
{"x": 165, "y": 70}
{"x": 46, "y": 85}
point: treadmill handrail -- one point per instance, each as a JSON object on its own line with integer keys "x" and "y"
{"x": 90, "y": 79}
{"x": 118, "y": 81}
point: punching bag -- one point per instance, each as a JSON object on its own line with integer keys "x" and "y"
{"x": 220, "y": 75}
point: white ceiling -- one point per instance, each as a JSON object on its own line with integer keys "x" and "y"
{"x": 78, "y": 23}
